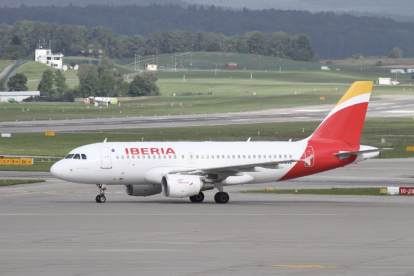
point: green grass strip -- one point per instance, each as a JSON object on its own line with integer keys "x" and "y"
{"x": 7, "y": 182}
{"x": 333, "y": 191}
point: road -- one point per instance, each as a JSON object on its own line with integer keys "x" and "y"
{"x": 385, "y": 107}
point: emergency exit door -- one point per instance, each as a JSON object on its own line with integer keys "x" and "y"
{"x": 106, "y": 162}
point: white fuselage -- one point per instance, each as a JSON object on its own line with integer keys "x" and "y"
{"x": 126, "y": 163}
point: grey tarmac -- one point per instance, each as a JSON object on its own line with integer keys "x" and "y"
{"x": 397, "y": 106}
{"x": 56, "y": 228}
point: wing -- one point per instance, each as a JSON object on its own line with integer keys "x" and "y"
{"x": 242, "y": 168}
{"x": 346, "y": 154}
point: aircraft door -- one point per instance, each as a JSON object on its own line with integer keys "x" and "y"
{"x": 106, "y": 162}
{"x": 309, "y": 153}
{"x": 191, "y": 158}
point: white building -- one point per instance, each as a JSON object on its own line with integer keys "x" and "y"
{"x": 47, "y": 57}
{"x": 151, "y": 67}
{"x": 384, "y": 81}
{"x": 18, "y": 96}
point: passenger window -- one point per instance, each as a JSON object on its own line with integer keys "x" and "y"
{"x": 259, "y": 156}
{"x": 127, "y": 156}
{"x": 133, "y": 156}
{"x": 143, "y": 157}
{"x": 84, "y": 156}
{"x": 228, "y": 156}
{"x": 207, "y": 156}
{"x": 238, "y": 156}
{"x": 218, "y": 156}
{"x": 138, "y": 157}
{"x": 290, "y": 156}
{"x": 117, "y": 157}
{"x": 280, "y": 156}
{"x": 165, "y": 157}
{"x": 169, "y": 156}
{"x": 202, "y": 156}
{"x": 197, "y": 156}
{"x": 249, "y": 156}
{"x": 244, "y": 156}
{"x": 183, "y": 156}
{"x": 233, "y": 156}
{"x": 223, "y": 156}
{"x": 69, "y": 156}
{"x": 285, "y": 156}
{"x": 254, "y": 156}
{"x": 122, "y": 156}
{"x": 175, "y": 156}
{"x": 159, "y": 156}
{"x": 212, "y": 157}
{"x": 77, "y": 156}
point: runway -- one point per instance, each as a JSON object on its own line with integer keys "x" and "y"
{"x": 56, "y": 228}
{"x": 399, "y": 106}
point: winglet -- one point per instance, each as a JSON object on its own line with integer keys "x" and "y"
{"x": 248, "y": 140}
{"x": 105, "y": 140}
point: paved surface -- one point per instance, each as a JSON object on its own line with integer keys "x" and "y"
{"x": 387, "y": 107}
{"x": 56, "y": 228}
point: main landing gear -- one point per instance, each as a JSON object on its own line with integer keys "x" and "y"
{"x": 222, "y": 197}
{"x": 197, "y": 198}
{"x": 101, "y": 197}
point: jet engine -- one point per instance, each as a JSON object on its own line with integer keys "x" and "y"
{"x": 142, "y": 190}
{"x": 176, "y": 185}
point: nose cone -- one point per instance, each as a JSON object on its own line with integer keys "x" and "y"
{"x": 57, "y": 169}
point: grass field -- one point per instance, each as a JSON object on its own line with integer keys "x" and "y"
{"x": 334, "y": 191}
{"x": 399, "y": 133}
{"x": 5, "y": 63}
{"x": 34, "y": 71}
{"x": 6, "y": 182}
{"x": 232, "y": 91}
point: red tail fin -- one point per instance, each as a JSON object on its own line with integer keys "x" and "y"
{"x": 346, "y": 120}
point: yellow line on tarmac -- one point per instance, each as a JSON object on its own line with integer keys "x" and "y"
{"x": 307, "y": 266}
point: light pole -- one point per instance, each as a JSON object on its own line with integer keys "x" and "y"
{"x": 191, "y": 61}
{"x": 260, "y": 63}
{"x": 175, "y": 61}
{"x": 157, "y": 60}
{"x": 172, "y": 62}
{"x": 135, "y": 64}
{"x": 181, "y": 60}
{"x": 152, "y": 58}
{"x": 139, "y": 60}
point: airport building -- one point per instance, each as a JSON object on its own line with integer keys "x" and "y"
{"x": 17, "y": 96}
{"x": 47, "y": 57}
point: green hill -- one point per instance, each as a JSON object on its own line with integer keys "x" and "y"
{"x": 217, "y": 60}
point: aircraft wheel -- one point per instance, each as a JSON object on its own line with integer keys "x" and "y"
{"x": 98, "y": 199}
{"x": 222, "y": 197}
{"x": 197, "y": 198}
{"x": 102, "y": 199}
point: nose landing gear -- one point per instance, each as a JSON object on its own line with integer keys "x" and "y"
{"x": 101, "y": 197}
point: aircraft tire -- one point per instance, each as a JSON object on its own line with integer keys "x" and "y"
{"x": 197, "y": 198}
{"x": 97, "y": 199}
{"x": 222, "y": 197}
{"x": 102, "y": 199}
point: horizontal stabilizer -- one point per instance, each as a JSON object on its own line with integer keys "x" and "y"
{"x": 346, "y": 154}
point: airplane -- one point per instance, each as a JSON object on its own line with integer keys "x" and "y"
{"x": 186, "y": 169}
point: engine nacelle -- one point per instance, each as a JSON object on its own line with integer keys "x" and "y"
{"x": 176, "y": 185}
{"x": 142, "y": 190}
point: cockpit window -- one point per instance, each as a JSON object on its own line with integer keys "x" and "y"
{"x": 83, "y": 156}
{"x": 69, "y": 156}
{"x": 77, "y": 156}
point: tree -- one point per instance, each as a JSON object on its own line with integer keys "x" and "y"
{"x": 280, "y": 45}
{"x": 107, "y": 84}
{"x": 46, "y": 84}
{"x": 85, "y": 70}
{"x": 144, "y": 85}
{"x": 396, "y": 53}
{"x": 90, "y": 86}
{"x": 256, "y": 42}
{"x": 60, "y": 83}
{"x": 17, "y": 82}
{"x": 213, "y": 47}
{"x": 302, "y": 48}
{"x": 379, "y": 63}
{"x": 2, "y": 84}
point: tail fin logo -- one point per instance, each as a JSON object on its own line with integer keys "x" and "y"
{"x": 309, "y": 157}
